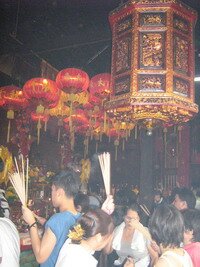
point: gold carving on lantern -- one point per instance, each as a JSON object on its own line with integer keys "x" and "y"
{"x": 161, "y": 51}
{"x": 123, "y": 49}
{"x": 102, "y": 82}
{"x": 78, "y": 77}
{"x": 181, "y": 87}
{"x": 152, "y": 19}
{"x": 124, "y": 25}
{"x": 181, "y": 54}
{"x": 151, "y": 83}
{"x": 46, "y": 88}
{"x": 152, "y": 47}
{"x": 181, "y": 24}
{"x": 122, "y": 85}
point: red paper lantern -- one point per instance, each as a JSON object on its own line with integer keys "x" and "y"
{"x": 100, "y": 85}
{"x": 2, "y": 100}
{"x": 41, "y": 91}
{"x": 95, "y": 101}
{"x": 72, "y": 80}
{"x": 42, "y": 117}
{"x": 13, "y": 100}
{"x": 13, "y": 97}
{"x": 78, "y": 118}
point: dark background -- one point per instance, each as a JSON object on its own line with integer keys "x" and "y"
{"x": 66, "y": 33}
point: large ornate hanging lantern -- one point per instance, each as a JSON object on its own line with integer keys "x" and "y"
{"x": 153, "y": 62}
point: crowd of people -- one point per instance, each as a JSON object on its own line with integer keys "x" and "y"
{"x": 85, "y": 231}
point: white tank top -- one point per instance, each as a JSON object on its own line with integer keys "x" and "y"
{"x": 172, "y": 258}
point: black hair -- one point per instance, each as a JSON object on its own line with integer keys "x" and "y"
{"x": 192, "y": 222}
{"x": 67, "y": 180}
{"x": 185, "y": 194}
{"x": 135, "y": 207}
{"x": 82, "y": 200}
{"x": 166, "y": 226}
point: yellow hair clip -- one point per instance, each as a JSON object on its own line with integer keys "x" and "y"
{"x": 77, "y": 233}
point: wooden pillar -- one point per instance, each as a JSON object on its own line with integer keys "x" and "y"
{"x": 146, "y": 168}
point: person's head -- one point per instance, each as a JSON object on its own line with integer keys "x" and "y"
{"x": 132, "y": 213}
{"x": 95, "y": 228}
{"x": 192, "y": 225}
{"x": 81, "y": 202}
{"x": 64, "y": 185}
{"x": 157, "y": 196}
{"x": 166, "y": 226}
{"x": 184, "y": 199}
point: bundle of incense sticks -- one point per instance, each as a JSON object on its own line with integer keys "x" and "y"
{"x": 19, "y": 180}
{"x": 104, "y": 160}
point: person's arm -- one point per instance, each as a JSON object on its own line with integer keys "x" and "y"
{"x": 40, "y": 219}
{"x": 154, "y": 255}
{"x": 42, "y": 247}
{"x": 129, "y": 262}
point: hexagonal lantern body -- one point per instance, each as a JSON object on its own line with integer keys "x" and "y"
{"x": 153, "y": 62}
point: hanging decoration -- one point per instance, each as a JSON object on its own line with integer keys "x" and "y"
{"x": 40, "y": 118}
{"x": 100, "y": 85}
{"x": 61, "y": 111}
{"x": 73, "y": 81}
{"x": 152, "y": 63}
{"x": 41, "y": 91}
{"x": 2, "y": 100}
{"x": 79, "y": 121}
{"x": 14, "y": 100}
{"x": 42, "y": 94}
{"x": 22, "y": 137}
{"x": 6, "y": 164}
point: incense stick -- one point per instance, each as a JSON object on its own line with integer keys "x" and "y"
{"x": 27, "y": 176}
{"x": 20, "y": 181}
{"x": 104, "y": 160}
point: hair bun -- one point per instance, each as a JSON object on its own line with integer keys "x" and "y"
{"x": 76, "y": 234}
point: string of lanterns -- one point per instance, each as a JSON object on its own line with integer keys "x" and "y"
{"x": 75, "y": 100}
